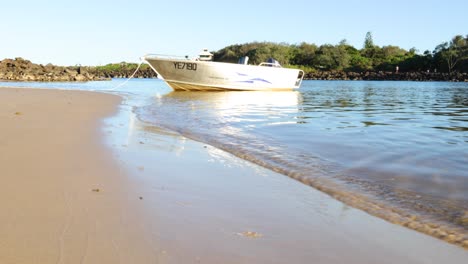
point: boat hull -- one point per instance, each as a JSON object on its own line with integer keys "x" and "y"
{"x": 189, "y": 75}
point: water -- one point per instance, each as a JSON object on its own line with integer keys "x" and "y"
{"x": 398, "y": 150}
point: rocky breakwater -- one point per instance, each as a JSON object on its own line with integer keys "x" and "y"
{"x": 387, "y": 76}
{"x": 123, "y": 70}
{"x": 19, "y": 69}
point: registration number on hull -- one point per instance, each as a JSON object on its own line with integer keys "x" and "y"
{"x": 190, "y": 66}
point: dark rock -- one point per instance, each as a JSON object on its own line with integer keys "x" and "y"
{"x": 20, "y": 69}
{"x": 383, "y": 76}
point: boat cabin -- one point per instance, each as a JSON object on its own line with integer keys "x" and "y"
{"x": 205, "y": 55}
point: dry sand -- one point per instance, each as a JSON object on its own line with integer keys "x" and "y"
{"x": 76, "y": 190}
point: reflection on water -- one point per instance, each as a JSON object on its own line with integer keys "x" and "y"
{"x": 403, "y": 143}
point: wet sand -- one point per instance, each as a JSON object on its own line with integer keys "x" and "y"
{"x": 75, "y": 189}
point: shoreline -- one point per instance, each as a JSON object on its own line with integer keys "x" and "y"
{"x": 78, "y": 188}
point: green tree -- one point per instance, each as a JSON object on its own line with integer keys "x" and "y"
{"x": 331, "y": 57}
{"x": 342, "y": 56}
{"x": 324, "y": 58}
{"x": 257, "y": 52}
{"x": 448, "y": 56}
{"x": 370, "y": 50}
{"x": 360, "y": 63}
{"x": 388, "y": 57}
{"x": 368, "y": 41}
{"x": 260, "y": 53}
{"x": 453, "y": 52}
{"x": 304, "y": 54}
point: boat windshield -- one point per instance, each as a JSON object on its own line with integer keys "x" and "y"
{"x": 271, "y": 63}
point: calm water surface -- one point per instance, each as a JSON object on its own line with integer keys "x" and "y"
{"x": 400, "y": 144}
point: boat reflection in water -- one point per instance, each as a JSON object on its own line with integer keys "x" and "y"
{"x": 238, "y": 122}
{"x": 223, "y": 110}
{"x": 236, "y": 99}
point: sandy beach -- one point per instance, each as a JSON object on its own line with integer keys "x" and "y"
{"x": 83, "y": 181}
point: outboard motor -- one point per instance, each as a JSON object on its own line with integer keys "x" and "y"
{"x": 243, "y": 60}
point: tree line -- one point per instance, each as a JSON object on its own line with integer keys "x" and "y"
{"x": 447, "y": 62}
{"x": 448, "y": 57}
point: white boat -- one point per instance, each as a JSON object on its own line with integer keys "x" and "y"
{"x": 203, "y": 74}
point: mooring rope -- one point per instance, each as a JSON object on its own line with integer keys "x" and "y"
{"x": 131, "y": 77}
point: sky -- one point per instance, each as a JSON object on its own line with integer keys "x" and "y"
{"x": 98, "y": 32}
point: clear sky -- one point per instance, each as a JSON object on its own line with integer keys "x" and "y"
{"x": 97, "y": 32}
